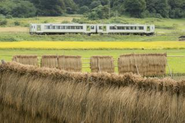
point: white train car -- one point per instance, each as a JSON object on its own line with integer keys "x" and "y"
{"x": 126, "y": 29}
{"x": 92, "y": 29}
{"x": 62, "y": 28}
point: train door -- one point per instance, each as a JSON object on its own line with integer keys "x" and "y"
{"x": 33, "y": 28}
{"x": 102, "y": 29}
{"x": 91, "y": 29}
{"x": 39, "y": 28}
{"x": 148, "y": 29}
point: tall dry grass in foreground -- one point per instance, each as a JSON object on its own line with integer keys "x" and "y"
{"x": 29, "y": 94}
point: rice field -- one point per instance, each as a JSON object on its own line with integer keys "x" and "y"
{"x": 92, "y": 45}
{"x": 176, "y": 64}
{"x": 32, "y": 94}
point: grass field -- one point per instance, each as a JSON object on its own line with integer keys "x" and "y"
{"x": 91, "y": 45}
{"x": 166, "y": 29}
{"x": 176, "y": 64}
{"x": 25, "y": 36}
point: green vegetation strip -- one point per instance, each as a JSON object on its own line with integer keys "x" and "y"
{"x": 176, "y": 64}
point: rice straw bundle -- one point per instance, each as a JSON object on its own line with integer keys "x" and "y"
{"x": 143, "y": 64}
{"x": 70, "y": 63}
{"x": 102, "y": 64}
{"x": 49, "y": 61}
{"x": 29, "y": 94}
{"x": 26, "y": 59}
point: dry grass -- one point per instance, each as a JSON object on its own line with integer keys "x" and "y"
{"x": 143, "y": 64}
{"x": 70, "y": 63}
{"x": 102, "y": 64}
{"x": 14, "y": 29}
{"x": 49, "y": 61}
{"x": 51, "y": 95}
{"x": 25, "y": 59}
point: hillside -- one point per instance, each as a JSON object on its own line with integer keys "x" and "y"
{"x": 17, "y": 29}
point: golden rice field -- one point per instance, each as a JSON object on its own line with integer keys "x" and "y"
{"x": 92, "y": 45}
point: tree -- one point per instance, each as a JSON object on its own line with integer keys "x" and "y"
{"x": 6, "y": 7}
{"x": 118, "y": 6}
{"x": 83, "y": 9}
{"x": 24, "y": 9}
{"x": 162, "y": 7}
{"x": 17, "y": 8}
{"x": 51, "y": 7}
{"x": 100, "y": 12}
{"x": 135, "y": 7}
{"x": 95, "y": 4}
{"x": 177, "y": 8}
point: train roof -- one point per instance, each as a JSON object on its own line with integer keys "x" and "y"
{"x": 89, "y": 24}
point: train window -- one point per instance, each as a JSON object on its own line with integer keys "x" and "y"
{"x": 131, "y": 28}
{"x": 79, "y": 27}
{"x": 68, "y": 27}
{"x": 121, "y": 28}
{"x": 113, "y": 27}
{"x": 46, "y": 27}
{"x": 72, "y": 27}
{"x": 62, "y": 27}
{"x": 53, "y": 27}
{"x": 92, "y": 27}
{"x": 127, "y": 28}
{"x": 141, "y": 28}
{"x": 58, "y": 27}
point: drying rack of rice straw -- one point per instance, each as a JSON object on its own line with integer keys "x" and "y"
{"x": 26, "y": 59}
{"x": 143, "y": 64}
{"x": 102, "y": 64}
{"x": 49, "y": 61}
{"x": 70, "y": 63}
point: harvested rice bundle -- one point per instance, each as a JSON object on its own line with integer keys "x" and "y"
{"x": 70, "y": 63}
{"x": 9, "y": 114}
{"x": 26, "y": 59}
{"x": 49, "y": 61}
{"x": 143, "y": 64}
{"x": 31, "y": 94}
{"x": 102, "y": 64}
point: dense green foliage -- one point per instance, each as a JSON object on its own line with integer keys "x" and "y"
{"x": 17, "y": 8}
{"x": 94, "y": 9}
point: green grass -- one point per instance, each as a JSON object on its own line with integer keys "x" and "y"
{"x": 71, "y": 37}
{"x": 177, "y": 65}
{"x": 25, "y": 22}
{"x": 166, "y": 29}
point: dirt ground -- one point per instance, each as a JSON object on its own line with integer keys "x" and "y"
{"x": 14, "y": 29}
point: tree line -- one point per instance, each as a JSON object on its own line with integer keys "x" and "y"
{"x": 94, "y": 9}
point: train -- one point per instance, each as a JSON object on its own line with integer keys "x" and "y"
{"x": 89, "y": 29}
